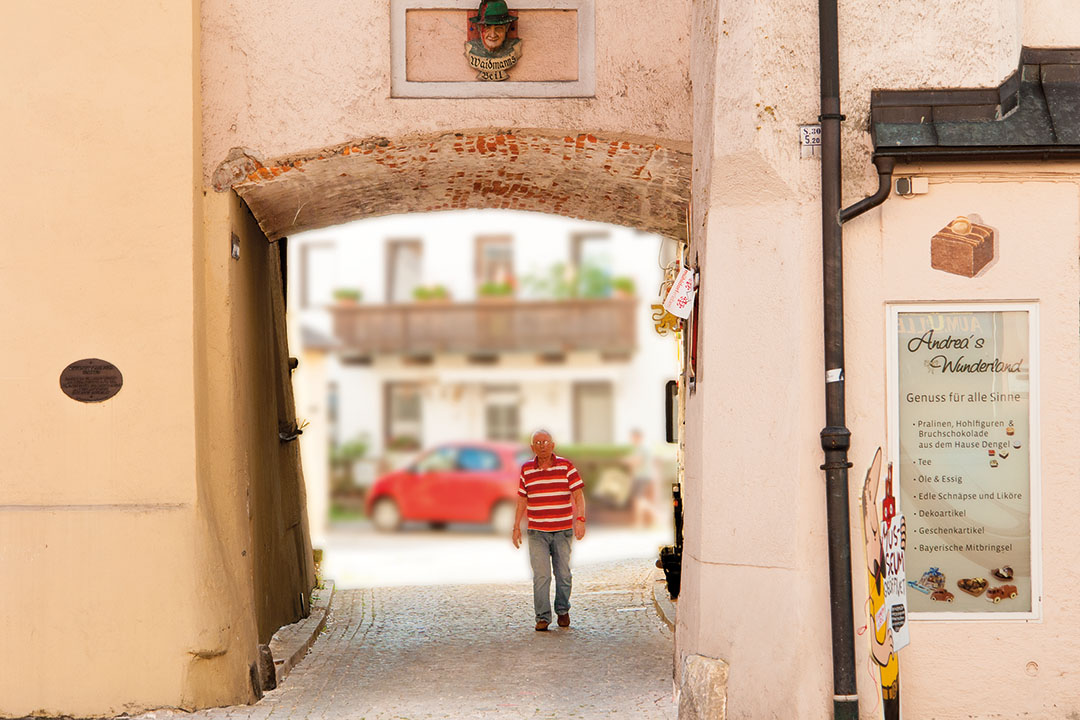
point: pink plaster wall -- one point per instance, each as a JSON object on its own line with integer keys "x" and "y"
{"x": 434, "y": 46}
{"x": 982, "y": 667}
{"x": 291, "y": 77}
{"x": 755, "y": 571}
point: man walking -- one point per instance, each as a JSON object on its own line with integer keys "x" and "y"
{"x": 550, "y": 491}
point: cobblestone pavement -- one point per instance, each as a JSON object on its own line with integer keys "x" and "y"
{"x": 418, "y": 653}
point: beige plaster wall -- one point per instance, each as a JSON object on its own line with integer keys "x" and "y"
{"x": 136, "y": 577}
{"x": 257, "y": 557}
{"x": 284, "y": 569}
{"x": 96, "y": 500}
{"x": 435, "y": 39}
{"x": 301, "y": 76}
{"x": 217, "y": 673}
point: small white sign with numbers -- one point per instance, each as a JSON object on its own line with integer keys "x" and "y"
{"x": 809, "y": 140}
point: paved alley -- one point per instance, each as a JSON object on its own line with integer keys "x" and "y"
{"x": 470, "y": 651}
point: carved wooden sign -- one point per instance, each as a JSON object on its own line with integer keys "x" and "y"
{"x": 91, "y": 380}
{"x": 493, "y": 46}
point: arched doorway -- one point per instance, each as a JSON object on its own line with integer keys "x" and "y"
{"x": 638, "y": 184}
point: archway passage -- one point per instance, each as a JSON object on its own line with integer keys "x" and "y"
{"x": 633, "y": 181}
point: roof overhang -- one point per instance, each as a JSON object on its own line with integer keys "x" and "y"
{"x": 1034, "y": 115}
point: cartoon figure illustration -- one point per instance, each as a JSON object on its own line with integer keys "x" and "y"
{"x": 881, "y": 639}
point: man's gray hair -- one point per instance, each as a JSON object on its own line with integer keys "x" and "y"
{"x": 541, "y": 431}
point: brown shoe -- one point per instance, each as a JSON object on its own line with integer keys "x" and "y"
{"x": 541, "y": 624}
{"x": 564, "y": 620}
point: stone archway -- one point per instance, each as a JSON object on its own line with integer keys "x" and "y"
{"x": 623, "y": 179}
{"x": 626, "y": 180}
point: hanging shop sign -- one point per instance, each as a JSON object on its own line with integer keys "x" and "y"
{"x": 680, "y": 299}
{"x": 664, "y": 321}
{"x": 963, "y": 395}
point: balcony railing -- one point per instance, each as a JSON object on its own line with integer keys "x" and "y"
{"x": 489, "y": 326}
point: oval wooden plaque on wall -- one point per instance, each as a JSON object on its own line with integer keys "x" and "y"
{"x": 91, "y": 380}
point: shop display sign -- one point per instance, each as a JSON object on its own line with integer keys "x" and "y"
{"x": 963, "y": 381}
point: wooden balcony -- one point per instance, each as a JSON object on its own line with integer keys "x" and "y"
{"x": 488, "y": 326}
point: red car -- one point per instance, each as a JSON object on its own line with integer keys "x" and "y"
{"x": 459, "y": 482}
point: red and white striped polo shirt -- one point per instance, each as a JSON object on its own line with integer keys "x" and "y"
{"x": 547, "y": 493}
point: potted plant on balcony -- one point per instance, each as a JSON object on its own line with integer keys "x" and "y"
{"x": 403, "y": 443}
{"x": 554, "y": 283}
{"x": 347, "y": 296}
{"x": 495, "y": 290}
{"x": 431, "y": 293}
{"x": 623, "y": 286}
{"x": 593, "y": 281}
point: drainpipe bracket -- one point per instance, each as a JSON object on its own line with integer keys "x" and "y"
{"x": 835, "y": 441}
{"x": 835, "y": 438}
{"x": 832, "y": 116}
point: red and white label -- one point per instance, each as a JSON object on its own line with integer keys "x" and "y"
{"x": 680, "y": 299}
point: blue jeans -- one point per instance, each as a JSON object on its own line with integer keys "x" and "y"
{"x": 547, "y": 551}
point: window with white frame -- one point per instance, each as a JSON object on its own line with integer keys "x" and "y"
{"x": 495, "y": 262}
{"x": 404, "y": 271}
{"x": 403, "y": 420}
{"x": 594, "y": 413}
{"x": 318, "y": 274}
{"x": 502, "y": 415}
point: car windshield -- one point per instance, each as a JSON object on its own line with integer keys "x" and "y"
{"x": 444, "y": 458}
{"x": 477, "y": 459}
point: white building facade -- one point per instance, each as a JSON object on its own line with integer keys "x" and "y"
{"x": 480, "y": 325}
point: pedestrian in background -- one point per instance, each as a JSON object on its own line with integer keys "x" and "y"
{"x": 643, "y": 491}
{"x": 551, "y": 494}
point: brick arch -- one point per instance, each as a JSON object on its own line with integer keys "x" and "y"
{"x": 635, "y": 181}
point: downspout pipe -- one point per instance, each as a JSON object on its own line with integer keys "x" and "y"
{"x": 835, "y": 437}
{"x": 884, "y": 167}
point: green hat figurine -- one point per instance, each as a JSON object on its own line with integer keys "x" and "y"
{"x": 492, "y": 51}
{"x": 492, "y": 12}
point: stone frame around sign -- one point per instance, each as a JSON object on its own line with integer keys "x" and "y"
{"x": 893, "y": 311}
{"x": 584, "y": 86}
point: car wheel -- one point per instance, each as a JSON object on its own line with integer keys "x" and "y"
{"x": 385, "y": 515}
{"x": 502, "y": 518}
